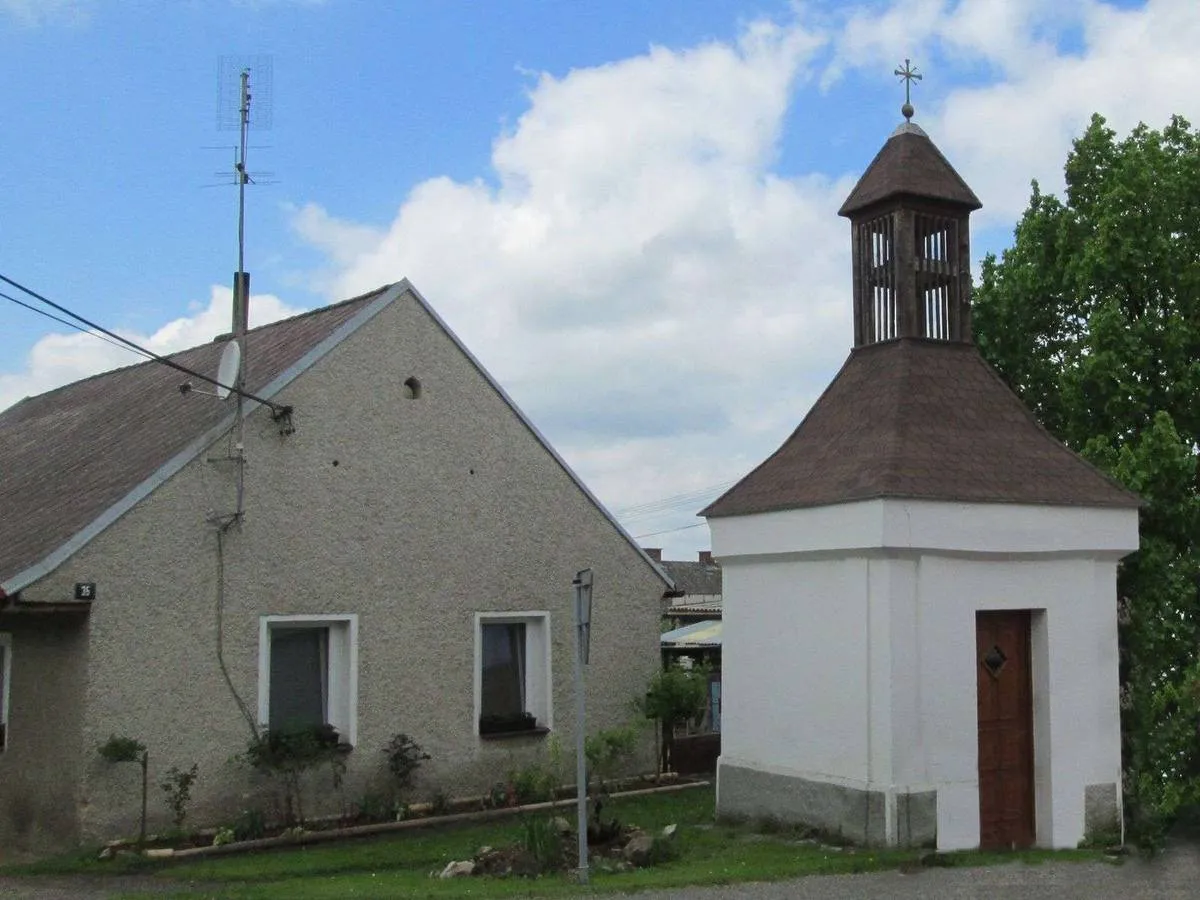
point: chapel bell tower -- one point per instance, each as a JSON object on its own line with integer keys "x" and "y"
{"x": 911, "y": 241}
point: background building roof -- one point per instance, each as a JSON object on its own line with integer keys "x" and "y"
{"x": 694, "y": 577}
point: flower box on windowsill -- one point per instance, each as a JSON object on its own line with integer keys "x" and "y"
{"x": 520, "y": 725}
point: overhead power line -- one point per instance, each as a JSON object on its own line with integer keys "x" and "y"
{"x": 669, "y": 504}
{"x": 275, "y": 408}
{"x": 67, "y": 322}
{"x": 638, "y": 537}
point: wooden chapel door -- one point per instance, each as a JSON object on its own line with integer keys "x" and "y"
{"x": 1005, "y": 701}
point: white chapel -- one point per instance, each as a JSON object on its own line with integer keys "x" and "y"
{"x": 920, "y": 622}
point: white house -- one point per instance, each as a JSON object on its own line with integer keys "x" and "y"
{"x": 920, "y": 642}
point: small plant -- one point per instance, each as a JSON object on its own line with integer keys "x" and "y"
{"x": 440, "y": 804}
{"x": 289, "y": 753}
{"x": 122, "y": 749}
{"x": 224, "y": 835}
{"x": 375, "y": 807}
{"x": 127, "y": 749}
{"x": 532, "y": 784}
{"x": 500, "y": 795}
{"x": 542, "y": 841}
{"x": 663, "y": 850}
{"x": 177, "y": 785}
{"x": 607, "y": 749}
{"x": 249, "y": 825}
{"x": 404, "y": 757}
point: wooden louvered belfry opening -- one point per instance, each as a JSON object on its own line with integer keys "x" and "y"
{"x": 911, "y": 275}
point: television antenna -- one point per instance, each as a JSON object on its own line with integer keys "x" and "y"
{"x": 234, "y": 112}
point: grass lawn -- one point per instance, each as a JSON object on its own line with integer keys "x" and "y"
{"x": 399, "y": 865}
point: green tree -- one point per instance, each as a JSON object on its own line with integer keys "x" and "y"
{"x": 675, "y": 695}
{"x": 1093, "y": 318}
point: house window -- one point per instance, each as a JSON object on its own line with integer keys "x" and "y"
{"x": 308, "y": 673}
{"x": 5, "y": 679}
{"x": 512, "y": 672}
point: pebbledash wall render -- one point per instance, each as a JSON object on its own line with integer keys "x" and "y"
{"x": 408, "y": 520}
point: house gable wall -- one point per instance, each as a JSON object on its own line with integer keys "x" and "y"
{"x": 413, "y": 514}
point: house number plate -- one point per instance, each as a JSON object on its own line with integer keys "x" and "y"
{"x": 85, "y": 590}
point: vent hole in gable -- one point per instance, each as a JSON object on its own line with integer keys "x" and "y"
{"x": 412, "y": 388}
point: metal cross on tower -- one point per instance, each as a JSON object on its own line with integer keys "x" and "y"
{"x": 909, "y": 74}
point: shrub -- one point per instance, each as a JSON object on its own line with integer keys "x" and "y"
{"x": 177, "y": 785}
{"x": 249, "y": 825}
{"x": 287, "y": 754}
{"x": 532, "y": 784}
{"x": 440, "y": 804}
{"x": 122, "y": 749}
{"x": 607, "y": 749}
{"x": 404, "y": 757}
{"x": 375, "y": 807}
{"x": 127, "y": 749}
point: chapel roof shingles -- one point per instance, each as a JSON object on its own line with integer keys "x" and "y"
{"x": 69, "y": 454}
{"x": 919, "y": 419}
{"x": 909, "y": 164}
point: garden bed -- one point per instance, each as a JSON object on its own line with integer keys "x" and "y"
{"x": 424, "y": 815}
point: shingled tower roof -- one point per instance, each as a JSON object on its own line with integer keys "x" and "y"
{"x": 924, "y": 420}
{"x": 916, "y": 412}
{"x": 909, "y": 165}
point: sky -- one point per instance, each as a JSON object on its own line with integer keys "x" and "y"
{"x": 627, "y": 210}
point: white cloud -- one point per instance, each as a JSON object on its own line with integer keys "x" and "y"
{"x": 663, "y": 304}
{"x": 39, "y": 12}
{"x": 1136, "y": 65}
{"x": 660, "y": 303}
{"x": 1050, "y": 66}
{"x": 59, "y": 359}
{"x": 641, "y": 279}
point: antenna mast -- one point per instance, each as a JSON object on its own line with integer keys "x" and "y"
{"x": 241, "y": 278}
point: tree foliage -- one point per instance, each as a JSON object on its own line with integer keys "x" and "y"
{"x": 1093, "y": 318}
{"x": 675, "y": 695}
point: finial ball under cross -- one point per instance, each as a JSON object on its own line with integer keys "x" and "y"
{"x": 908, "y": 74}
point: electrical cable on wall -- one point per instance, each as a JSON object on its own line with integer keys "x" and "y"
{"x": 220, "y": 611}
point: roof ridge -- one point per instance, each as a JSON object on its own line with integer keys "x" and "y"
{"x": 176, "y": 353}
{"x": 300, "y": 315}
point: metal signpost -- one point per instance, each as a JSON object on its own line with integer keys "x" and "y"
{"x": 583, "y": 635}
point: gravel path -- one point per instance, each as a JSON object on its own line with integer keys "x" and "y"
{"x": 1174, "y": 875}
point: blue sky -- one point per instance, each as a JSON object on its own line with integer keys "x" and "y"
{"x": 655, "y": 182}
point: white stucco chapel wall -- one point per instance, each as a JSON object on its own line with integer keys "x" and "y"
{"x": 849, "y": 654}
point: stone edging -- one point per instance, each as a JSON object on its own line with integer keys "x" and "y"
{"x": 335, "y": 834}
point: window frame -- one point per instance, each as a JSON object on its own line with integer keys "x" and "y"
{"x": 341, "y": 669}
{"x": 539, "y": 673}
{"x": 6, "y": 644}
